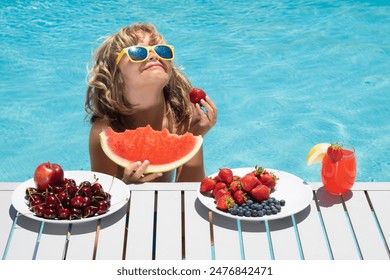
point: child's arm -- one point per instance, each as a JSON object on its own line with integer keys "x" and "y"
{"x": 193, "y": 170}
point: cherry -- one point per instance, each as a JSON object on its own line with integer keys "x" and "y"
{"x": 36, "y": 202}
{"x": 97, "y": 189}
{"x": 86, "y": 191}
{"x": 72, "y": 190}
{"x": 76, "y": 213}
{"x": 63, "y": 213}
{"x": 51, "y": 201}
{"x": 77, "y": 201}
{"x": 50, "y": 213}
{"x": 57, "y": 189}
{"x": 89, "y": 211}
{"x": 102, "y": 207}
{"x": 87, "y": 201}
{"x": 39, "y": 210}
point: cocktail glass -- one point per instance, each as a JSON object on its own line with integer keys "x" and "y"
{"x": 339, "y": 177}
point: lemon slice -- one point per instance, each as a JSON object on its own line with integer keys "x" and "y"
{"x": 317, "y": 153}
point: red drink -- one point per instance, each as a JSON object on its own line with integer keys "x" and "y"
{"x": 339, "y": 177}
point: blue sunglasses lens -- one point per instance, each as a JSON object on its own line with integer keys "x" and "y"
{"x": 137, "y": 53}
{"x": 164, "y": 52}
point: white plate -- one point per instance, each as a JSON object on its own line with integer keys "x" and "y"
{"x": 289, "y": 187}
{"x": 119, "y": 195}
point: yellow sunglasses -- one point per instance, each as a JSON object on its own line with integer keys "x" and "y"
{"x": 141, "y": 53}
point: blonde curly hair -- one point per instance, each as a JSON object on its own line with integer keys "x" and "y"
{"x": 105, "y": 98}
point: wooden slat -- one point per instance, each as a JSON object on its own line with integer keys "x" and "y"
{"x": 24, "y": 239}
{"x": 111, "y": 237}
{"x": 52, "y": 242}
{"x": 197, "y": 234}
{"x": 226, "y": 238}
{"x": 6, "y": 219}
{"x": 82, "y": 240}
{"x": 255, "y": 241}
{"x": 169, "y": 231}
{"x": 381, "y": 204}
{"x": 140, "y": 231}
{"x": 336, "y": 224}
{"x": 313, "y": 240}
{"x": 365, "y": 228}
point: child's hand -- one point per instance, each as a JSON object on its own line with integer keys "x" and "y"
{"x": 134, "y": 173}
{"x": 202, "y": 121}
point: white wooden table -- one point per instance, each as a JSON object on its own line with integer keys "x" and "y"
{"x": 167, "y": 221}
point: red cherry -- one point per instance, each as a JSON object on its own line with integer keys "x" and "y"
{"x": 51, "y": 201}
{"x": 63, "y": 213}
{"x": 50, "y": 213}
{"x": 77, "y": 201}
{"x": 39, "y": 210}
{"x": 89, "y": 211}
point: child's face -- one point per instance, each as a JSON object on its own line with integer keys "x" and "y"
{"x": 149, "y": 77}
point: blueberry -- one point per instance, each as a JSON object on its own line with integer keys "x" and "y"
{"x": 248, "y": 213}
{"x": 260, "y": 213}
{"x": 274, "y": 211}
{"x": 240, "y": 212}
{"x": 233, "y": 211}
{"x": 268, "y": 212}
{"x": 249, "y": 202}
{"x": 282, "y": 202}
{"x": 278, "y": 207}
{"x": 255, "y": 214}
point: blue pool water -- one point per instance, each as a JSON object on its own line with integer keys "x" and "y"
{"x": 285, "y": 75}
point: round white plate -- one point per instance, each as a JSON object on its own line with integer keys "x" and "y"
{"x": 119, "y": 195}
{"x": 289, "y": 187}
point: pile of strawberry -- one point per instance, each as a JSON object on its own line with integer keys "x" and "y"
{"x": 250, "y": 192}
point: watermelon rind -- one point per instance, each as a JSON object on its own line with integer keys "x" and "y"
{"x": 152, "y": 168}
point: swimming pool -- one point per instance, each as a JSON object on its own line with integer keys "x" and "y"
{"x": 285, "y": 75}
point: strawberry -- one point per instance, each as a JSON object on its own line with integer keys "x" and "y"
{"x": 218, "y": 186}
{"x": 334, "y": 152}
{"x": 221, "y": 192}
{"x": 260, "y": 192}
{"x": 225, "y": 175}
{"x": 259, "y": 171}
{"x": 249, "y": 181}
{"x": 269, "y": 179}
{"x": 196, "y": 95}
{"x": 235, "y": 185}
{"x": 240, "y": 197}
{"x": 225, "y": 202}
{"x": 207, "y": 184}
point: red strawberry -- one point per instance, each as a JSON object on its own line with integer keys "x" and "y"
{"x": 259, "y": 171}
{"x": 196, "y": 95}
{"x": 207, "y": 184}
{"x": 335, "y": 152}
{"x": 225, "y": 202}
{"x": 269, "y": 179}
{"x": 225, "y": 175}
{"x": 260, "y": 192}
{"x": 221, "y": 192}
{"x": 249, "y": 181}
{"x": 218, "y": 186}
{"x": 235, "y": 186}
{"x": 240, "y": 197}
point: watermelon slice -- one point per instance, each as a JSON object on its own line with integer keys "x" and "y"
{"x": 163, "y": 150}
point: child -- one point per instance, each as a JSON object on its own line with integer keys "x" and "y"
{"x": 126, "y": 92}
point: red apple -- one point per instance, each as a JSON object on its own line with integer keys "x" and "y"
{"x": 48, "y": 174}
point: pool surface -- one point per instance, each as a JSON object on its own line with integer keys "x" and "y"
{"x": 285, "y": 75}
